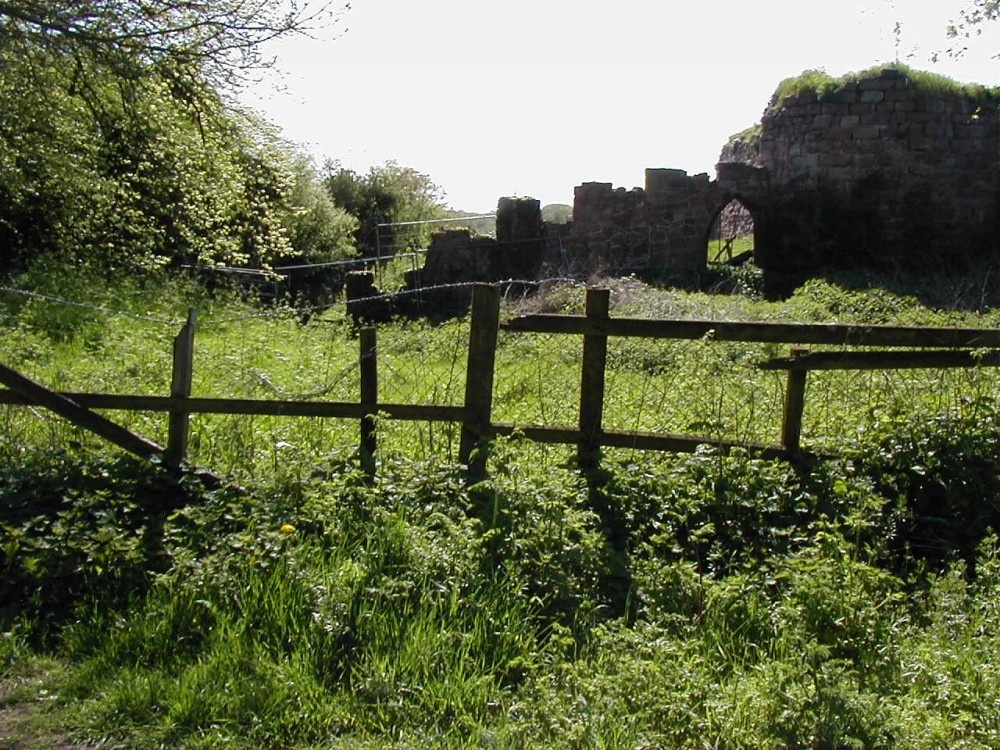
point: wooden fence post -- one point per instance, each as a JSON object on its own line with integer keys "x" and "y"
{"x": 369, "y": 397}
{"x": 180, "y": 388}
{"x": 479, "y": 376}
{"x": 595, "y": 356}
{"x": 795, "y": 400}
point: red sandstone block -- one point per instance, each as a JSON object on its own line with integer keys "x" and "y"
{"x": 834, "y": 108}
{"x": 879, "y": 118}
{"x": 821, "y": 122}
{"x": 867, "y": 132}
{"x": 881, "y": 83}
{"x": 836, "y": 159}
{"x": 865, "y": 161}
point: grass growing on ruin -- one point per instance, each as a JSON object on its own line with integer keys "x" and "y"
{"x": 931, "y": 84}
{"x": 669, "y": 601}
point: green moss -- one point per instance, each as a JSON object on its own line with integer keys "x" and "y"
{"x": 747, "y": 134}
{"x": 924, "y": 82}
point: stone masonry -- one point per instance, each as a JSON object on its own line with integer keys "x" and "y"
{"x": 875, "y": 173}
{"x": 881, "y": 171}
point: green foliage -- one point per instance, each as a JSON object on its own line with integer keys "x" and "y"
{"x": 75, "y": 530}
{"x": 387, "y": 194}
{"x": 317, "y": 229}
{"x": 843, "y": 602}
{"x": 185, "y": 43}
{"x": 329, "y": 606}
{"x": 540, "y": 529}
{"x": 824, "y": 85}
{"x": 747, "y": 134}
{"x": 939, "y": 478}
{"x": 557, "y": 213}
{"x": 134, "y": 176}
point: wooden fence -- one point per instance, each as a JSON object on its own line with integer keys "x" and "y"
{"x": 911, "y": 347}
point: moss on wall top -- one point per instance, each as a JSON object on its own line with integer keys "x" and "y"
{"x": 925, "y": 82}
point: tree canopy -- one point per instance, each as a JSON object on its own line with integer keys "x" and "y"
{"x": 970, "y": 22}
{"x": 187, "y": 41}
{"x": 116, "y": 146}
{"x": 386, "y": 194}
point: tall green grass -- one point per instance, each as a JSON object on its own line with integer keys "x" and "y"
{"x": 665, "y": 601}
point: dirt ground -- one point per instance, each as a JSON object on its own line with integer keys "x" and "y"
{"x": 24, "y": 724}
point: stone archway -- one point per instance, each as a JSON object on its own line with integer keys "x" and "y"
{"x": 731, "y": 238}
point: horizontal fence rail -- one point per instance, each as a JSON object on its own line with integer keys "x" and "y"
{"x": 928, "y": 348}
{"x": 768, "y": 333}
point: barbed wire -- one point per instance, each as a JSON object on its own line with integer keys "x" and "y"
{"x": 88, "y": 306}
{"x": 385, "y": 296}
{"x": 282, "y": 310}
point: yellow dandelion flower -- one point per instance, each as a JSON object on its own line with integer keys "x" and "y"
{"x": 286, "y": 528}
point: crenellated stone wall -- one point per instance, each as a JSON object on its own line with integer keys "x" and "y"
{"x": 662, "y": 226}
{"x": 880, "y": 171}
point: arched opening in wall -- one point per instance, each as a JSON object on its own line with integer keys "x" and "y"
{"x": 731, "y": 236}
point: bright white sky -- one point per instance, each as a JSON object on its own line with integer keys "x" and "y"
{"x": 533, "y": 97}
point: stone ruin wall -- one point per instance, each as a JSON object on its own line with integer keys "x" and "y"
{"x": 662, "y": 226}
{"x": 875, "y": 173}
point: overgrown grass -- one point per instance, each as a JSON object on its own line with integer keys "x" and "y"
{"x": 664, "y": 601}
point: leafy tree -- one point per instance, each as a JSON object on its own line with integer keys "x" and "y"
{"x": 387, "y": 194}
{"x": 318, "y": 229}
{"x": 116, "y": 147}
{"x": 970, "y": 22}
{"x": 557, "y": 213}
{"x": 144, "y": 182}
{"x": 189, "y": 42}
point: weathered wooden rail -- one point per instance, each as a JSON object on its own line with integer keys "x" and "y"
{"x": 911, "y": 347}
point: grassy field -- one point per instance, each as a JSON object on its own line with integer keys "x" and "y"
{"x": 701, "y": 600}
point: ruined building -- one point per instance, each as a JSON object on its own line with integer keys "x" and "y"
{"x": 888, "y": 169}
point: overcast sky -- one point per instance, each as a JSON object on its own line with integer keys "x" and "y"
{"x": 533, "y": 97}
